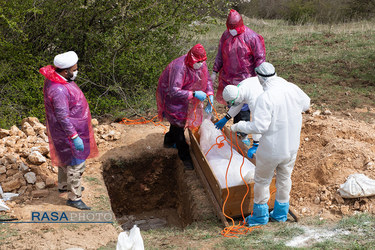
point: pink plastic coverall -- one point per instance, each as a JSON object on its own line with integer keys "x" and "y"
{"x": 67, "y": 113}
{"x": 239, "y": 55}
{"x": 177, "y": 83}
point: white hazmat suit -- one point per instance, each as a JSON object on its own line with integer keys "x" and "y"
{"x": 278, "y": 118}
{"x": 248, "y": 92}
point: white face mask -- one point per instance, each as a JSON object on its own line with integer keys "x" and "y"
{"x": 75, "y": 73}
{"x": 197, "y": 65}
{"x": 233, "y": 32}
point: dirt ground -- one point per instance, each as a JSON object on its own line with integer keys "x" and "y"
{"x": 333, "y": 146}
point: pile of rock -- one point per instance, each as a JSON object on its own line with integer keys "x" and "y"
{"x": 25, "y": 165}
{"x": 24, "y": 155}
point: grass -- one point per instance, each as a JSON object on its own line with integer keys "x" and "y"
{"x": 6, "y": 231}
{"x": 354, "y": 232}
{"x": 92, "y": 180}
{"x": 332, "y": 64}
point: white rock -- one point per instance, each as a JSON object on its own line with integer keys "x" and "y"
{"x": 40, "y": 185}
{"x": 318, "y": 112}
{"x": 23, "y": 167}
{"x": 36, "y": 158}
{"x": 94, "y": 122}
{"x": 327, "y": 112}
{"x": 30, "y": 177}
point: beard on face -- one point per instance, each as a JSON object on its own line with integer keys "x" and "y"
{"x": 69, "y": 76}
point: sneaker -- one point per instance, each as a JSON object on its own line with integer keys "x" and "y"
{"x": 78, "y": 204}
{"x": 65, "y": 190}
{"x": 188, "y": 165}
{"x": 246, "y": 142}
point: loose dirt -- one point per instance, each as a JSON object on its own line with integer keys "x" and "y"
{"x": 332, "y": 148}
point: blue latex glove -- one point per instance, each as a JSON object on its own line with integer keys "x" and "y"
{"x": 200, "y": 95}
{"x": 209, "y": 106}
{"x": 220, "y": 124}
{"x": 252, "y": 150}
{"x": 78, "y": 143}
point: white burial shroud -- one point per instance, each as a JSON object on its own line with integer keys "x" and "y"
{"x": 218, "y": 158}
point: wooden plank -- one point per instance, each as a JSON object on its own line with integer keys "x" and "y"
{"x": 243, "y": 147}
{"x": 205, "y": 166}
{"x": 233, "y": 204}
{"x": 207, "y": 187}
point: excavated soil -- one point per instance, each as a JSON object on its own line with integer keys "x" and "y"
{"x": 140, "y": 178}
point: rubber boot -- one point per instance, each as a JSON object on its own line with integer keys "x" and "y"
{"x": 280, "y": 211}
{"x": 260, "y": 215}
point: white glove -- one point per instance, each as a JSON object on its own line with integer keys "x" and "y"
{"x": 239, "y": 127}
{"x": 234, "y": 127}
{"x": 213, "y": 76}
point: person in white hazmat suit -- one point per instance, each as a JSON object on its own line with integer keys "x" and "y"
{"x": 278, "y": 118}
{"x": 246, "y": 92}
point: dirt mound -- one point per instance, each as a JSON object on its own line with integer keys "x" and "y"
{"x": 331, "y": 149}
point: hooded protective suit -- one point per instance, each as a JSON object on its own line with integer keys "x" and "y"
{"x": 239, "y": 55}
{"x": 67, "y": 113}
{"x": 278, "y": 117}
{"x": 248, "y": 92}
{"x": 177, "y": 83}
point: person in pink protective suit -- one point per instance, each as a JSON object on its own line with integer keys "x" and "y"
{"x": 183, "y": 86}
{"x": 70, "y": 134}
{"x": 240, "y": 51}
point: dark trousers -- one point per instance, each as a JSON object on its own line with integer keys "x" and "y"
{"x": 242, "y": 116}
{"x": 176, "y": 135}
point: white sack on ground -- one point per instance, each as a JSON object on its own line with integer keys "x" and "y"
{"x": 133, "y": 241}
{"x": 357, "y": 185}
{"x": 219, "y": 157}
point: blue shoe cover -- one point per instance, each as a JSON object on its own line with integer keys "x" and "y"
{"x": 260, "y": 215}
{"x": 280, "y": 211}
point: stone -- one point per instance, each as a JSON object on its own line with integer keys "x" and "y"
{"x": 345, "y": 210}
{"x": 22, "y": 190}
{"x": 356, "y": 205}
{"x": 3, "y": 150}
{"x": 15, "y": 131}
{"x": 317, "y": 200}
{"x": 28, "y": 129}
{"x": 23, "y": 167}
{"x": 31, "y": 139}
{"x": 43, "y": 149}
{"x": 30, "y": 177}
{"x": 12, "y": 159}
{"x": 339, "y": 199}
{"x": 36, "y": 158}
{"x": 3, "y": 169}
{"x": 327, "y": 112}
{"x": 50, "y": 182}
{"x": 39, "y": 129}
{"x": 4, "y": 133}
{"x": 40, "y": 193}
{"x": 40, "y": 185}
{"x": 316, "y": 113}
{"x": 94, "y": 122}
{"x": 10, "y": 142}
{"x": 31, "y": 120}
{"x": 11, "y": 185}
{"x": 3, "y": 177}
{"x": 111, "y": 135}
{"x": 11, "y": 172}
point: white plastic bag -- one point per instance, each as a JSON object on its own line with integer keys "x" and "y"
{"x": 357, "y": 185}
{"x": 133, "y": 241}
{"x": 219, "y": 157}
{"x": 7, "y": 196}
